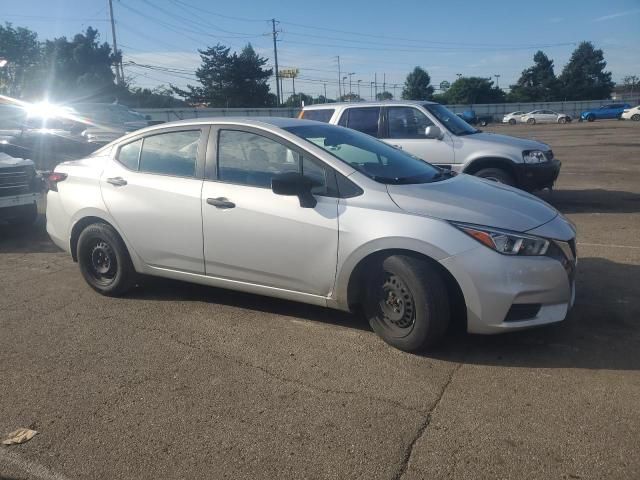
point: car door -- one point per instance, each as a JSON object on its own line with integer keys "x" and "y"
{"x": 404, "y": 127}
{"x": 254, "y": 236}
{"x": 550, "y": 116}
{"x": 363, "y": 119}
{"x": 152, "y": 189}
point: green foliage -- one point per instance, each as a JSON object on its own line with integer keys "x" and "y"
{"x": 350, "y": 97}
{"x": 584, "y": 77}
{"x": 441, "y": 98}
{"x": 76, "y": 70}
{"x": 470, "y": 90}
{"x": 297, "y": 99}
{"x": 21, "y": 49}
{"x": 159, "y": 97}
{"x": 537, "y": 83}
{"x": 384, "y": 96}
{"x": 417, "y": 86}
{"x": 230, "y": 80}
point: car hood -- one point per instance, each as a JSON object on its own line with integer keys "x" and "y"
{"x": 516, "y": 142}
{"x": 468, "y": 199}
{"x": 9, "y": 161}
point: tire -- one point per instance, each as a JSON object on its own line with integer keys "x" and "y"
{"x": 591, "y": 118}
{"x": 531, "y": 121}
{"x": 636, "y": 117}
{"x": 406, "y": 303}
{"x": 497, "y": 175}
{"x": 483, "y": 123}
{"x": 512, "y": 121}
{"x": 104, "y": 260}
{"x": 562, "y": 120}
{"x": 27, "y": 218}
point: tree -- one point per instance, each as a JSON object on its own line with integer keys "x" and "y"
{"x": 630, "y": 84}
{"x": 76, "y": 70}
{"x": 537, "y": 83}
{"x": 417, "y": 86}
{"x": 159, "y": 97}
{"x": 470, "y": 90}
{"x": 296, "y": 100}
{"x": 350, "y": 97}
{"x": 21, "y": 50}
{"x": 584, "y": 77}
{"x": 230, "y": 80}
{"x": 384, "y": 96}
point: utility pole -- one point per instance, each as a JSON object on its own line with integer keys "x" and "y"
{"x": 350, "y": 89}
{"x": 359, "y": 89}
{"x": 275, "y": 57}
{"x": 375, "y": 82}
{"x": 384, "y": 82}
{"x": 119, "y": 75}
{"x": 339, "y": 79}
{"x": 497, "y": 81}
{"x": 371, "y": 87}
{"x": 394, "y": 90}
{"x": 325, "y": 93}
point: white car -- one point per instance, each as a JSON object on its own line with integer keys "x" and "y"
{"x": 631, "y": 114}
{"x": 512, "y": 118}
{"x": 319, "y": 214}
{"x": 544, "y": 116}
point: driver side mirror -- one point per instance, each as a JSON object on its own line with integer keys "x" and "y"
{"x": 293, "y": 184}
{"x": 433, "y": 132}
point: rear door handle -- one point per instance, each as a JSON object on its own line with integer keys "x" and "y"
{"x": 220, "y": 202}
{"x": 399, "y": 147}
{"x": 117, "y": 181}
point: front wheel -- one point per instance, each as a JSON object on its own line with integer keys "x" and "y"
{"x": 562, "y": 120}
{"x": 636, "y": 117}
{"x": 591, "y": 118}
{"x": 512, "y": 121}
{"x": 104, "y": 261}
{"x": 531, "y": 121}
{"x": 406, "y": 303}
{"x": 496, "y": 175}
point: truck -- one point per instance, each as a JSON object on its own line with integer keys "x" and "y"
{"x": 21, "y": 187}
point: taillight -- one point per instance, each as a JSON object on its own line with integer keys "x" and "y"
{"x": 53, "y": 179}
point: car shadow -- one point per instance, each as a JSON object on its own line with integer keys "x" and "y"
{"x": 592, "y": 201}
{"x": 601, "y": 332}
{"x": 26, "y": 238}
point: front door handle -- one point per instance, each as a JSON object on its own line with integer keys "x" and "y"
{"x": 117, "y": 181}
{"x": 399, "y": 147}
{"x": 220, "y": 202}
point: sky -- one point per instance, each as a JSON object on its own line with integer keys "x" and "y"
{"x": 374, "y": 39}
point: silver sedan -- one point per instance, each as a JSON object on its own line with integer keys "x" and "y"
{"x": 315, "y": 213}
{"x": 544, "y": 116}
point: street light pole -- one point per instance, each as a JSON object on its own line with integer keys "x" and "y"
{"x": 359, "y": 88}
{"x": 344, "y": 83}
{"x": 497, "y": 80}
{"x": 339, "y": 75}
{"x": 350, "y": 90}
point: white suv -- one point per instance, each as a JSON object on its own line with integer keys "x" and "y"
{"x": 433, "y": 133}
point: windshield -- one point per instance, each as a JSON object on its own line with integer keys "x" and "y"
{"x": 450, "y": 120}
{"x": 369, "y": 156}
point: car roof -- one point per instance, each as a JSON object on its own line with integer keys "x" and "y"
{"x": 367, "y": 104}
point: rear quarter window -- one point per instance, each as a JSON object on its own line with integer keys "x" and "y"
{"x": 319, "y": 115}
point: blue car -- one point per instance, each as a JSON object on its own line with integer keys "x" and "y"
{"x": 612, "y": 110}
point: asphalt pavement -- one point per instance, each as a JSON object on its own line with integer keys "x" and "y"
{"x": 183, "y": 381}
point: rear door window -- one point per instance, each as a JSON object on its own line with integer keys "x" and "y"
{"x": 319, "y": 115}
{"x": 171, "y": 153}
{"x": 364, "y": 119}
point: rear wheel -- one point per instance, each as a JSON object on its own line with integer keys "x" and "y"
{"x": 104, "y": 261}
{"x": 406, "y": 303}
{"x": 496, "y": 175}
{"x": 531, "y": 121}
{"x": 636, "y": 117}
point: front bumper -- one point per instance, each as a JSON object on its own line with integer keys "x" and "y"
{"x": 537, "y": 176}
{"x": 492, "y": 284}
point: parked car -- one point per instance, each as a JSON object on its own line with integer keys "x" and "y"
{"x": 20, "y": 189}
{"x": 432, "y": 132}
{"x": 631, "y": 114}
{"x": 611, "y": 110}
{"x": 107, "y": 121}
{"x": 512, "y": 118}
{"x": 544, "y": 116}
{"x": 259, "y": 206}
{"x": 472, "y": 118}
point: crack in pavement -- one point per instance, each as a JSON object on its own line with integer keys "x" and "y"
{"x": 423, "y": 426}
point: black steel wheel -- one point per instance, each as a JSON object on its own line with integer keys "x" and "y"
{"x": 406, "y": 302}
{"x": 104, "y": 261}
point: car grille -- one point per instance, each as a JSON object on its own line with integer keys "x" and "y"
{"x": 15, "y": 180}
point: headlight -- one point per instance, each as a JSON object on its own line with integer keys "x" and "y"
{"x": 534, "y": 156}
{"x": 507, "y": 243}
